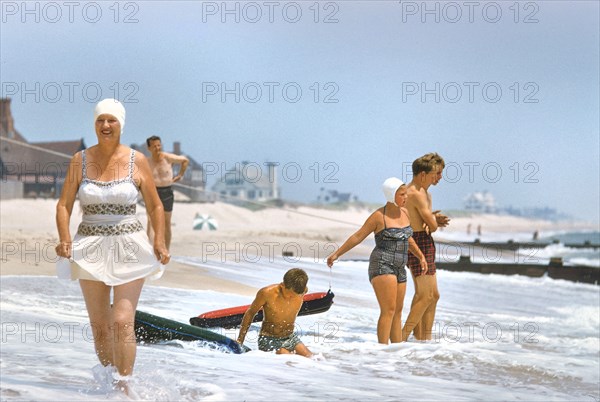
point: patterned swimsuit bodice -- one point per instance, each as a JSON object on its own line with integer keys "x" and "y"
{"x": 115, "y": 197}
{"x": 389, "y": 239}
{"x": 108, "y": 207}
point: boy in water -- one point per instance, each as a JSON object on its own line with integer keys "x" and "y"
{"x": 280, "y": 303}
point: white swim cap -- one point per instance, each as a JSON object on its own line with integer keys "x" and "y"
{"x": 390, "y": 186}
{"x": 112, "y": 107}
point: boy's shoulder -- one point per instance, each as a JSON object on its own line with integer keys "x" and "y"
{"x": 269, "y": 290}
{"x": 416, "y": 193}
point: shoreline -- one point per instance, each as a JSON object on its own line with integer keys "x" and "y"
{"x": 28, "y": 239}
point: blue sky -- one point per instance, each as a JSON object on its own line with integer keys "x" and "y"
{"x": 506, "y": 92}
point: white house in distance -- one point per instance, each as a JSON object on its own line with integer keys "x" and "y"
{"x": 334, "y": 196}
{"x": 480, "y": 202}
{"x": 248, "y": 182}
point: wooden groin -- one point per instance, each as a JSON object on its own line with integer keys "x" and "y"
{"x": 555, "y": 269}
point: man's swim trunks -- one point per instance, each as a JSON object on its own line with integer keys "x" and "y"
{"x": 427, "y": 246}
{"x": 166, "y": 196}
{"x": 390, "y": 253}
{"x": 268, "y": 343}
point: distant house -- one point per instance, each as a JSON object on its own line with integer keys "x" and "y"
{"x": 334, "y": 196}
{"x": 248, "y": 182}
{"x": 483, "y": 202}
{"x": 193, "y": 183}
{"x": 31, "y": 169}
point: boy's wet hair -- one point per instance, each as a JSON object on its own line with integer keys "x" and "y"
{"x": 295, "y": 279}
{"x": 153, "y": 138}
{"x": 427, "y": 163}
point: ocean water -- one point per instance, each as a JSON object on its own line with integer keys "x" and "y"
{"x": 496, "y": 338}
{"x": 455, "y": 244}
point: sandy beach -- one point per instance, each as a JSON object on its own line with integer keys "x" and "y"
{"x": 29, "y": 235}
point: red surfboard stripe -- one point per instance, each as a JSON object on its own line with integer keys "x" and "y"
{"x": 242, "y": 309}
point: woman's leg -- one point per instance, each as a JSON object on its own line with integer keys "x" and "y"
{"x": 97, "y": 301}
{"x": 385, "y": 287}
{"x": 124, "y": 305}
{"x": 396, "y": 331}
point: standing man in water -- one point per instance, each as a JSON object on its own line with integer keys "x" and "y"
{"x": 161, "y": 164}
{"x": 427, "y": 171}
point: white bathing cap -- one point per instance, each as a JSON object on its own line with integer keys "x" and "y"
{"x": 112, "y": 107}
{"x": 390, "y": 186}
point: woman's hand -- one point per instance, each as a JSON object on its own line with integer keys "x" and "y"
{"x": 63, "y": 249}
{"x": 331, "y": 259}
{"x": 424, "y": 266}
{"x": 162, "y": 254}
{"x": 426, "y": 228}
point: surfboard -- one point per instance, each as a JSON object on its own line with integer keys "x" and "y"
{"x": 313, "y": 303}
{"x": 151, "y": 328}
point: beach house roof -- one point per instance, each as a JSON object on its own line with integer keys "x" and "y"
{"x": 21, "y": 158}
{"x": 7, "y": 124}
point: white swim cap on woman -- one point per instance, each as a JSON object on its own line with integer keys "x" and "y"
{"x": 112, "y": 107}
{"x": 390, "y": 186}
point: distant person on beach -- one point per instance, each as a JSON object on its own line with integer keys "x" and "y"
{"x": 280, "y": 304}
{"x": 427, "y": 171}
{"x": 161, "y": 164}
{"x": 478, "y": 230}
{"x": 387, "y": 274}
{"x": 110, "y": 251}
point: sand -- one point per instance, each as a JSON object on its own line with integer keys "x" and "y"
{"x": 28, "y": 235}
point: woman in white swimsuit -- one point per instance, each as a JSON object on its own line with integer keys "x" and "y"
{"x": 111, "y": 249}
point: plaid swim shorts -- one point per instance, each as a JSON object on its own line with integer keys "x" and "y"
{"x": 427, "y": 246}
